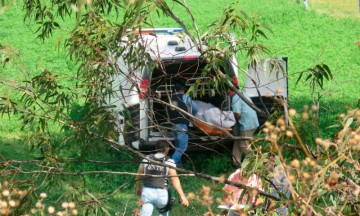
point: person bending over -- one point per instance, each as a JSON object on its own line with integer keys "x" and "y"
{"x": 247, "y": 123}
{"x": 180, "y": 121}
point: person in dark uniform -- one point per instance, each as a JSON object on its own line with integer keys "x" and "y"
{"x": 180, "y": 121}
{"x": 154, "y": 190}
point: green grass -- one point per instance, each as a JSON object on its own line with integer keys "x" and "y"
{"x": 339, "y": 9}
{"x": 14, "y": 147}
{"x": 305, "y": 37}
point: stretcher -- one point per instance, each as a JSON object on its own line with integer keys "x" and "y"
{"x": 211, "y": 129}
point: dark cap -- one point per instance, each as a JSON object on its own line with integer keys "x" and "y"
{"x": 179, "y": 86}
{"x": 161, "y": 145}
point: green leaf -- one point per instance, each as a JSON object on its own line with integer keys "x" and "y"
{"x": 308, "y": 77}
{"x": 297, "y": 81}
{"x": 278, "y": 161}
{"x": 349, "y": 121}
{"x": 266, "y": 27}
{"x": 327, "y": 69}
{"x": 56, "y": 24}
{"x": 261, "y": 33}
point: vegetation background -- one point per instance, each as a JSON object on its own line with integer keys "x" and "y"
{"x": 328, "y": 32}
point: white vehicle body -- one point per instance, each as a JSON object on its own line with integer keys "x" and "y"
{"x": 141, "y": 88}
{"x": 269, "y": 79}
{"x": 142, "y": 119}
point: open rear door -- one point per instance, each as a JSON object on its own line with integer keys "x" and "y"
{"x": 267, "y": 85}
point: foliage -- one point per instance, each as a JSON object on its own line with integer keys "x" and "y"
{"x": 12, "y": 200}
{"x": 323, "y": 173}
{"x": 315, "y": 77}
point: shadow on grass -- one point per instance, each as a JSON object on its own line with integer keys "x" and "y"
{"x": 15, "y": 149}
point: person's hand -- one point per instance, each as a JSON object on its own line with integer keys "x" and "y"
{"x": 184, "y": 201}
{"x": 138, "y": 191}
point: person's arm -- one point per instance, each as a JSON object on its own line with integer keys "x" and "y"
{"x": 176, "y": 183}
{"x": 139, "y": 180}
{"x": 236, "y": 107}
{"x": 190, "y": 103}
{"x": 237, "y": 116}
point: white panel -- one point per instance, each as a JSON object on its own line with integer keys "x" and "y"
{"x": 271, "y": 81}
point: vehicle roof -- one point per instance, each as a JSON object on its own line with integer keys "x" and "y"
{"x": 164, "y": 46}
